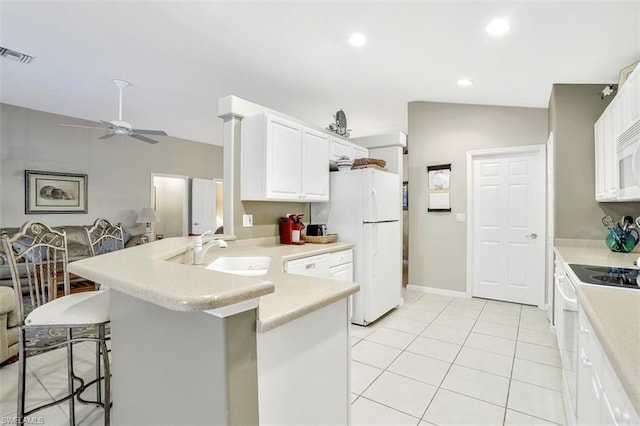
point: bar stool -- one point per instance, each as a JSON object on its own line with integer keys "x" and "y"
{"x": 44, "y": 254}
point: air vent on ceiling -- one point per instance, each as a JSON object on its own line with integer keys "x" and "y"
{"x": 15, "y": 55}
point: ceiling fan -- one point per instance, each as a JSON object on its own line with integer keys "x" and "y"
{"x": 123, "y": 128}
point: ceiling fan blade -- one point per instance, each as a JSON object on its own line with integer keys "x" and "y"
{"x": 149, "y": 132}
{"x": 107, "y": 136}
{"x": 82, "y": 127}
{"x": 106, "y": 122}
{"x": 142, "y": 138}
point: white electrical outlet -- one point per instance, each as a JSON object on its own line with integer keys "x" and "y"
{"x": 461, "y": 217}
{"x": 247, "y": 220}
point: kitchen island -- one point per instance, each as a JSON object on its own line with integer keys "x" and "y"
{"x": 614, "y": 315}
{"x": 196, "y": 346}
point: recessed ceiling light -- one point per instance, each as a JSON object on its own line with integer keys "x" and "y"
{"x": 357, "y": 40}
{"x": 465, "y": 82}
{"x": 498, "y": 26}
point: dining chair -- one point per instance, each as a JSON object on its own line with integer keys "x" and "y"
{"x": 43, "y": 252}
{"x": 104, "y": 237}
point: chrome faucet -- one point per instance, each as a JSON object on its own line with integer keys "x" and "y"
{"x": 199, "y": 250}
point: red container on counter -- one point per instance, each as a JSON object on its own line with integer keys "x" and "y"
{"x": 291, "y": 229}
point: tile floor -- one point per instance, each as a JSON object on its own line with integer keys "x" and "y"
{"x": 447, "y": 361}
{"x": 47, "y": 380}
{"x": 435, "y": 361}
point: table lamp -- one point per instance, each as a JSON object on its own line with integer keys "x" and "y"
{"x": 148, "y": 215}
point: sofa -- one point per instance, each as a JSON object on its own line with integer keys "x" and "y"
{"x": 77, "y": 247}
{"x": 8, "y": 326}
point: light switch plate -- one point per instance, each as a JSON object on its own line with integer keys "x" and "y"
{"x": 461, "y": 217}
{"x": 247, "y": 220}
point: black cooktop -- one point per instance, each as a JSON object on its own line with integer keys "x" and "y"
{"x": 608, "y": 276}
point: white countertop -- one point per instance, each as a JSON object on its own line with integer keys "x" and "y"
{"x": 614, "y": 314}
{"x": 144, "y": 272}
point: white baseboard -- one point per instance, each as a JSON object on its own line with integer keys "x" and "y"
{"x": 439, "y": 291}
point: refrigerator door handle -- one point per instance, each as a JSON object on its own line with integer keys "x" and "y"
{"x": 375, "y": 240}
{"x": 375, "y": 204}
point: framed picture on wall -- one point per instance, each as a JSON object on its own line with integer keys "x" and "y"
{"x": 55, "y": 192}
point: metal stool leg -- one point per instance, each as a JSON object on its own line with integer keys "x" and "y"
{"x": 107, "y": 375}
{"x": 22, "y": 376}
{"x": 70, "y": 374}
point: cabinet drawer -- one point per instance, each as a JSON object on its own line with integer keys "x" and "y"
{"x": 340, "y": 257}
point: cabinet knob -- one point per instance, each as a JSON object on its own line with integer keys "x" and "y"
{"x": 584, "y": 330}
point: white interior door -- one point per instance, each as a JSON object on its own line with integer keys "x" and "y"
{"x": 508, "y": 225}
{"x": 203, "y": 205}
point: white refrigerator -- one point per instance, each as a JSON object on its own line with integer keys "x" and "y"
{"x": 364, "y": 209}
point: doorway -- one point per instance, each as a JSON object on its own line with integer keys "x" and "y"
{"x": 206, "y": 205}
{"x": 506, "y": 228}
{"x": 170, "y": 200}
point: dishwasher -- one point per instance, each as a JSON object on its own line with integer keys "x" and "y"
{"x": 313, "y": 266}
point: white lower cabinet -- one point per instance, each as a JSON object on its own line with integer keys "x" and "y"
{"x": 304, "y": 366}
{"x": 601, "y": 399}
{"x": 341, "y": 265}
{"x": 304, "y": 370}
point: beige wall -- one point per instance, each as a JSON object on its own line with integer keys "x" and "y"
{"x": 440, "y": 134}
{"x": 119, "y": 169}
{"x": 573, "y": 109}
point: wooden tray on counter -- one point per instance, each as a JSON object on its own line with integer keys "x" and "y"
{"x": 324, "y": 239}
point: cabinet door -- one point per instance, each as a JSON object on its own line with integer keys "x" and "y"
{"x": 283, "y": 159}
{"x": 358, "y": 151}
{"x": 632, "y": 97}
{"x": 589, "y": 387}
{"x": 315, "y": 166}
{"x": 339, "y": 148}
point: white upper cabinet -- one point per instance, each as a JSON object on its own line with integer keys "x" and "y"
{"x": 339, "y": 148}
{"x": 605, "y": 132}
{"x": 629, "y": 100}
{"x": 358, "y": 151}
{"x": 315, "y": 165}
{"x": 342, "y": 148}
{"x": 622, "y": 113}
{"x": 282, "y": 161}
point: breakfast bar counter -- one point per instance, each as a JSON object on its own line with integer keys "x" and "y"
{"x": 193, "y": 345}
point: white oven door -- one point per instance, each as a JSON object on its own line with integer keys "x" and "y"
{"x": 566, "y": 316}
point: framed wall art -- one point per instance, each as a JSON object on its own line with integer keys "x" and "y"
{"x": 54, "y": 192}
{"x": 439, "y": 180}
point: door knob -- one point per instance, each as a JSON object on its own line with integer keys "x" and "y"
{"x": 533, "y": 236}
{"x": 196, "y": 223}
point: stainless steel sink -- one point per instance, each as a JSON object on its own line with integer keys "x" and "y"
{"x": 252, "y": 266}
